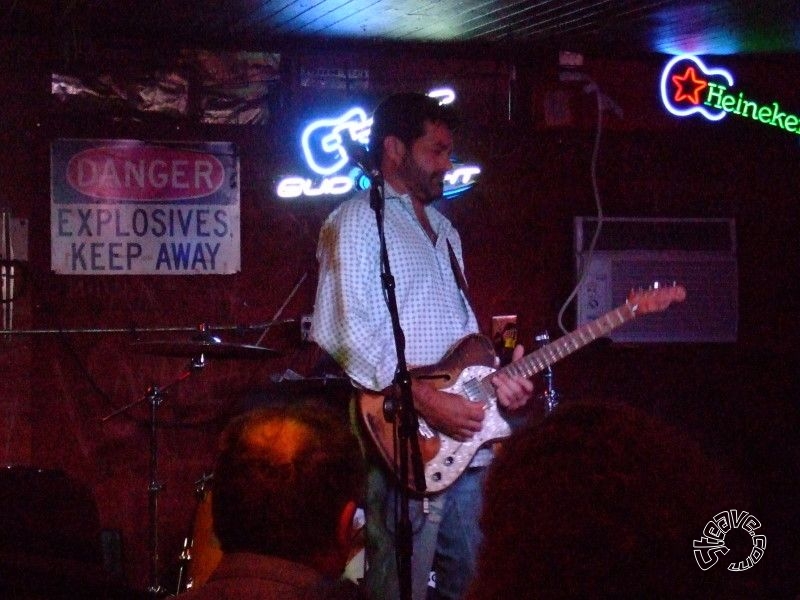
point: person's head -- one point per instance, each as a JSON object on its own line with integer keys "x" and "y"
{"x": 286, "y": 484}
{"x": 598, "y": 501}
{"x": 411, "y": 141}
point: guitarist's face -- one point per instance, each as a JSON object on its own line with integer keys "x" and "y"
{"x": 425, "y": 163}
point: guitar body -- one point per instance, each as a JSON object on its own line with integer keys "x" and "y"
{"x": 465, "y": 364}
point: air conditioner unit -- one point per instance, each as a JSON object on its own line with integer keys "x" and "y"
{"x": 632, "y": 253}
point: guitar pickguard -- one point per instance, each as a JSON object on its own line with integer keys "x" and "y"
{"x": 453, "y": 456}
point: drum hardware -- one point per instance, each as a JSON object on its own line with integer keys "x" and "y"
{"x": 205, "y": 553}
{"x": 209, "y": 345}
{"x": 208, "y": 349}
{"x": 206, "y": 550}
{"x": 280, "y": 310}
{"x": 185, "y": 580}
{"x": 549, "y": 395}
{"x": 184, "y": 559}
{"x": 205, "y": 345}
{"x": 155, "y": 396}
{"x": 201, "y": 484}
{"x": 135, "y": 331}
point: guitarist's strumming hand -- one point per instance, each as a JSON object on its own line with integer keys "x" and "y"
{"x": 513, "y": 392}
{"x": 449, "y": 413}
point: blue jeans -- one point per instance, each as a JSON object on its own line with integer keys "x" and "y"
{"x": 446, "y": 537}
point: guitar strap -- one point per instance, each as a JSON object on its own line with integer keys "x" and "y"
{"x": 461, "y": 281}
{"x": 484, "y": 456}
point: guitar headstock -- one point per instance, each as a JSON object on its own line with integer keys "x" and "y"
{"x": 656, "y": 299}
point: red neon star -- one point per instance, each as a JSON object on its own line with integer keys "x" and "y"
{"x": 689, "y": 87}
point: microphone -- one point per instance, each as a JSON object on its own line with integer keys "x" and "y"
{"x": 359, "y": 156}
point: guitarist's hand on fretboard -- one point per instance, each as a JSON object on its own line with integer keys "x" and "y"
{"x": 449, "y": 413}
{"x": 513, "y": 392}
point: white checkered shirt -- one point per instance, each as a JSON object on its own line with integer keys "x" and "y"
{"x": 351, "y": 318}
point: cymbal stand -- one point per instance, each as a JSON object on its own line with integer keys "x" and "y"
{"x": 549, "y": 395}
{"x": 155, "y": 396}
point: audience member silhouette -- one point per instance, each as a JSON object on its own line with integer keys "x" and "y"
{"x": 286, "y": 485}
{"x": 602, "y": 501}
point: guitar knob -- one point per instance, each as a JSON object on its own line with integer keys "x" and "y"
{"x": 449, "y": 461}
{"x": 436, "y": 476}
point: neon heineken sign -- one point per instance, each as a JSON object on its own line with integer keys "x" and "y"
{"x": 689, "y": 86}
{"x": 325, "y": 145}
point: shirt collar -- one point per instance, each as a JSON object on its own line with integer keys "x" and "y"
{"x": 390, "y": 192}
{"x": 436, "y": 218}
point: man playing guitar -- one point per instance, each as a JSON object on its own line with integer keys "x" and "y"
{"x": 411, "y": 143}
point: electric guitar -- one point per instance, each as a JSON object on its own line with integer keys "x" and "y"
{"x": 466, "y": 370}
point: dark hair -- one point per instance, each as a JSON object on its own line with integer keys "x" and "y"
{"x": 282, "y": 478}
{"x": 404, "y": 115}
{"x": 600, "y": 501}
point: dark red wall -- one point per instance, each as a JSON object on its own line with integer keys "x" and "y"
{"x": 517, "y": 230}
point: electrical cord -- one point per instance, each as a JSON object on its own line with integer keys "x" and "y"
{"x": 591, "y": 86}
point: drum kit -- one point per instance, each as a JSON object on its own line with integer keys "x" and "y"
{"x": 201, "y": 551}
{"x": 205, "y": 345}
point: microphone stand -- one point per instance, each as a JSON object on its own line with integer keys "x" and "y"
{"x": 402, "y": 413}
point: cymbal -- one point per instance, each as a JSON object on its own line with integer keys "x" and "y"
{"x": 210, "y": 349}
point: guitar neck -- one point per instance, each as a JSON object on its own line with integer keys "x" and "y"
{"x": 535, "y": 362}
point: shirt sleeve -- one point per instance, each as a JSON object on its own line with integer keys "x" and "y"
{"x": 351, "y": 320}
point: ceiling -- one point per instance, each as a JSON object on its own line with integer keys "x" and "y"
{"x": 612, "y": 27}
